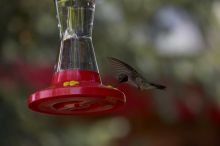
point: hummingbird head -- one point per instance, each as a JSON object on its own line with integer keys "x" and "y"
{"x": 122, "y": 78}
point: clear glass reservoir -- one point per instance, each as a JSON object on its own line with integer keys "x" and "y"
{"x": 75, "y": 21}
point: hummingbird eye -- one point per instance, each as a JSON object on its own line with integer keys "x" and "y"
{"x": 122, "y": 78}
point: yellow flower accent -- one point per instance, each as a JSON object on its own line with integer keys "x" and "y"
{"x": 110, "y": 86}
{"x": 70, "y": 83}
{"x": 74, "y": 83}
{"x": 65, "y": 84}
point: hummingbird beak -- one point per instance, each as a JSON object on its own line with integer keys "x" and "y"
{"x": 161, "y": 87}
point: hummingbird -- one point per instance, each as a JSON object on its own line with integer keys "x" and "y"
{"x": 126, "y": 73}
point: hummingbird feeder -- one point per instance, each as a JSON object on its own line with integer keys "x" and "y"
{"x": 76, "y": 86}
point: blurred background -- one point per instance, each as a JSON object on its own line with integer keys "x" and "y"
{"x": 173, "y": 42}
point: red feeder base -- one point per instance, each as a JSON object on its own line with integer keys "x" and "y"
{"x": 76, "y": 92}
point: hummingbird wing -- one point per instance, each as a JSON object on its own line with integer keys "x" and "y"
{"x": 123, "y": 69}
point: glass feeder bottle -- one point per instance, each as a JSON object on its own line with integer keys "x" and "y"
{"x": 75, "y": 18}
